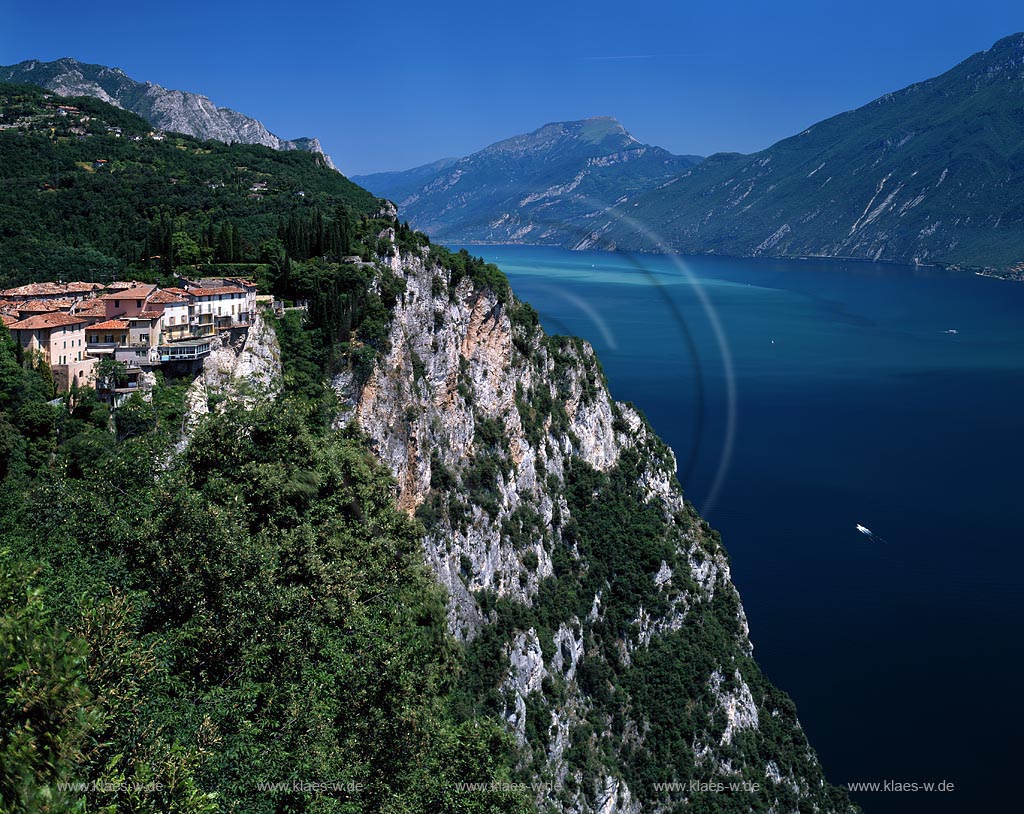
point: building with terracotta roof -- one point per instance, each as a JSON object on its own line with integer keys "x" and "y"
{"x": 93, "y": 309}
{"x": 216, "y": 308}
{"x": 59, "y": 340}
{"x": 44, "y": 291}
{"x": 137, "y": 324}
{"x": 33, "y": 291}
{"x": 102, "y": 338}
{"x": 165, "y": 296}
{"x": 29, "y": 307}
{"x": 173, "y": 306}
{"x": 80, "y": 287}
{"x": 128, "y": 302}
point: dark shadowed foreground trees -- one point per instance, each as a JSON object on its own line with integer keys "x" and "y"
{"x": 249, "y": 627}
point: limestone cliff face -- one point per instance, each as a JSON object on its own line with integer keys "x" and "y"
{"x": 487, "y": 424}
{"x": 242, "y": 367}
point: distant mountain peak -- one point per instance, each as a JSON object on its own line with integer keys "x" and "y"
{"x": 166, "y": 109}
{"x": 532, "y": 187}
{"x": 595, "y": 135}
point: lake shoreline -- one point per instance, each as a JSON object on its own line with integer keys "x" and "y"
{"x": 1010, "y": 275}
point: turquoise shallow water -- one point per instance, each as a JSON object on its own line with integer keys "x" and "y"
{"x": 863, "y": 394}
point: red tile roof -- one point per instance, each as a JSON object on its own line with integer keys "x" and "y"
{"x": 136, "y": 293}
{"x": 42, "y": 306}
{"x": 50, "y": 289}
{"x": 148, "y": 315}
{"x": 167, "y": 296}
{"x": 91, "y": 308}
{"x": 54, "y": 320}
{"x": 178, "y": 292}
{"x": 216, "y": 291}
{"x": 34, "y": 290}
{"x": 7, "y": 319}
{"x": 109, "y": 325}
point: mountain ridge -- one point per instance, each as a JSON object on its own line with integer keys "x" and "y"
{"x": 929, "y": 174}
{"x": 168, "y": 109}
{"x": 526, "y": 187}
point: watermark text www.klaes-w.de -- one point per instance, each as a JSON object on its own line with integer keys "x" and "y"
{"x": 112, "y": 786}
{"x": 312, "y": 786}
{"x": 900, "y": 785}
{"x": 711, "y": 786}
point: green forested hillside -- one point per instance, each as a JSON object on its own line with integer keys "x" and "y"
{"x": 98, "y": 204}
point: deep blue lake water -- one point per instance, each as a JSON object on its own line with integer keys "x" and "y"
{"x": 865, "y": 394}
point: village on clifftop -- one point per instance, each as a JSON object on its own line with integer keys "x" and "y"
{"x": 72, "y": 327}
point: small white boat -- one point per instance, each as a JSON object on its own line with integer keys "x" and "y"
{"x": 864, "y": 530}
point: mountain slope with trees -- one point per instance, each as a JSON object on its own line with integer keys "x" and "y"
{"x": 933, "y": 173}
{"x": 93, "y": 195}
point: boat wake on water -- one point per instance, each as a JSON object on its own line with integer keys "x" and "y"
{"x": 869, "y": 533}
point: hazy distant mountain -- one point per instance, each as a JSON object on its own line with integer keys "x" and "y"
{"x": 931, "y": 173}
{"x": 174, "y": 110}
{"x": 398, "y": 185}
{"x": 540, "y": 187}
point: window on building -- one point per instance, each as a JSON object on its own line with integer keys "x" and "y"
{"x": 170, "y": 320}
{"x": 138, "y": 303}
{"x": 117, "y": 303}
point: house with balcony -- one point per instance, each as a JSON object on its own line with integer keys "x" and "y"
{"x": 173, "y": 305}
{"x": 216, "y": 308}
{"x": 139, "y": 325}
{"x": 102, "y": 338}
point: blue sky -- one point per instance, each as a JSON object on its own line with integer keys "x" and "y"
{"x": 392, "y": 85}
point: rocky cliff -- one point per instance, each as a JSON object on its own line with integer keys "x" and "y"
{"x": 596, "y": 606}
{"x": 243, "y": 366}
{"x": 175, "y": 110}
